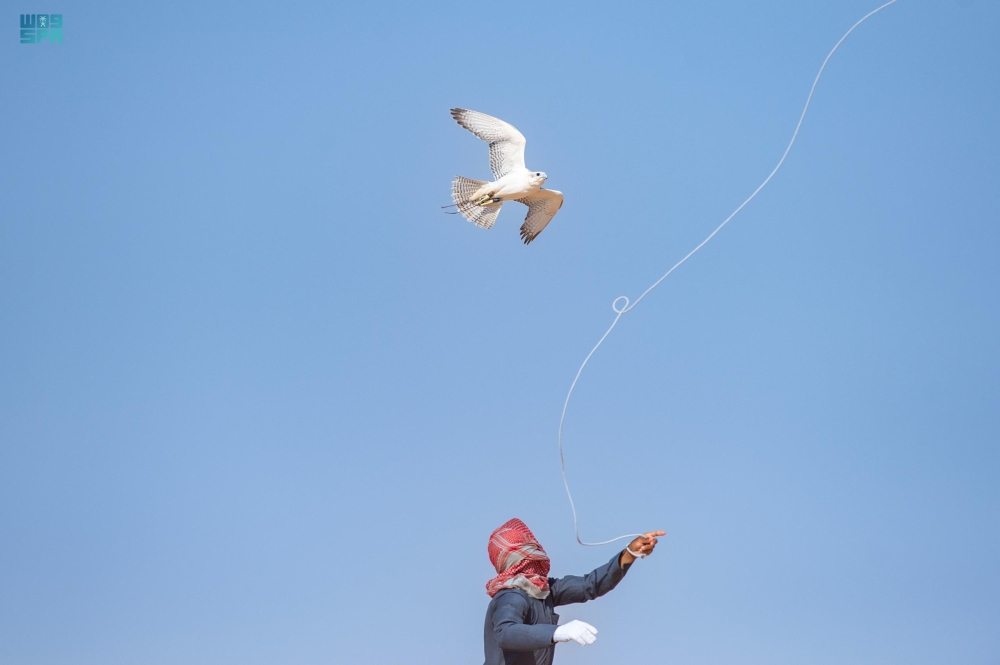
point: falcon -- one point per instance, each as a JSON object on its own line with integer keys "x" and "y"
{"x": 480, "y": 201}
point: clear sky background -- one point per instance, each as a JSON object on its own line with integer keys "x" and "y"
{"x": 262, "y": 402}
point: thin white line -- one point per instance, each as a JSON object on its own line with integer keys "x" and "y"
{"x": 626, "y": 307}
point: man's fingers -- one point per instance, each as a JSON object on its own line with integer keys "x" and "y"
{"x": 580, "y": 632}
{"x": 653, "y": 534}
{"x": 588, "y": 635}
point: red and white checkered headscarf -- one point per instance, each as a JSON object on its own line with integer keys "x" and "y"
{"x": 520, "y": 561}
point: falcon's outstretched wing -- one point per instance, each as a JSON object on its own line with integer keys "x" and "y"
{"x": 542, "y": 207}
{"x": 506, "y": 143}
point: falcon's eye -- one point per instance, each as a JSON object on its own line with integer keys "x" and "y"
{"x": 538, "y": 174}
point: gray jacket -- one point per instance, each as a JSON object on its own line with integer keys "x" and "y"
{"x": 519, "y": 628}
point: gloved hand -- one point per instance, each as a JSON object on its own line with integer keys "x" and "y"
{"x": 582, "y": 632}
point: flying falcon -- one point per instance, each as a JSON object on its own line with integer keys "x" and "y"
{"x": 480, "y": 202}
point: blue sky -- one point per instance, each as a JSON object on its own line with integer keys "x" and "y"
{"x": 261, "y": 402}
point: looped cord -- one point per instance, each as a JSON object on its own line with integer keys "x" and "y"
{"x": 628, "y": 307}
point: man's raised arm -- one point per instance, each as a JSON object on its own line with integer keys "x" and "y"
{"x": 576, "y": 589}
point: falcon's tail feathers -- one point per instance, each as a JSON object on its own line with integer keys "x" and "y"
{"x": 462, "y": 190}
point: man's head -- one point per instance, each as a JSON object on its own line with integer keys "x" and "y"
{"x": 519, "y": 560}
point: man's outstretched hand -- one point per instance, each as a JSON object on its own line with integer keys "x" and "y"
{"x": 642, "y": 545}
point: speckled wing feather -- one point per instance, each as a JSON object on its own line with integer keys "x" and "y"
{"x": 542, "y": 207}
{"x": 506, "y": 143}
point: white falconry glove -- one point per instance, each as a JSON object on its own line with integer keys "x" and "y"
{"x": 577, "y": 630}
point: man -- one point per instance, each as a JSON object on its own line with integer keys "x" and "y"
{"x": 521, "y": 627}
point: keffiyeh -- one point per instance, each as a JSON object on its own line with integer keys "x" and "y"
{"x": 520, "y": 561}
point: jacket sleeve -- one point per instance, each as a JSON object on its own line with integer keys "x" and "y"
{"x": 576, "y": 589}
{"x": 512, "y": 633}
